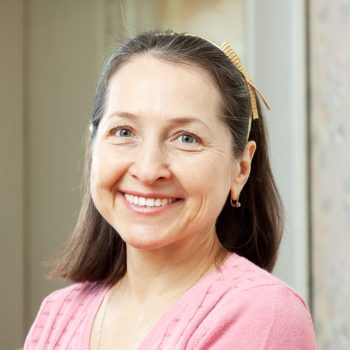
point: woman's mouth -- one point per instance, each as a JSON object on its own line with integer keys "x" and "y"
{"x": 147, "y": 202}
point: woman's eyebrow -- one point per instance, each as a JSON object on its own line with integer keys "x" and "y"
{"x": 174, "y": 121}
{"x": 178, "y": 121}
{"x": 125, "y": 115}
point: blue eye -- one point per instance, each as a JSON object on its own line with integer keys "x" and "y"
{"x": 123, "y": 132}
{"x": 187, "y": 138}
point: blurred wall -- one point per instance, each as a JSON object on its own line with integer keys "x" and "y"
{"x": 50, "y": 55}
{"x": 61, "y": 60}
{"x": 277, "y": 54}
{"x": 11, "y": 174}
{"x": 330, "y": 171}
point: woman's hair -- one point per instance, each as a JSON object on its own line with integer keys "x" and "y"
{"x": 96, "y": 252}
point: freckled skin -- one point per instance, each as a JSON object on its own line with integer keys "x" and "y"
{"x": 153, "y": 157}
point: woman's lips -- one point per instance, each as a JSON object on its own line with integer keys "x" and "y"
{"x": 148, "y": 203}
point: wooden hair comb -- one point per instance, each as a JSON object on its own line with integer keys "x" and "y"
{"x": 236, "y": 61}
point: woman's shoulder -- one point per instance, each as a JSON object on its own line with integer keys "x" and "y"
{"x": 73, "y": 297}
{"x": 74, "y": 292}
{"x": 253, "y": 306}
{"x": 64, "y": 309}
{"x": 240, "y": 273}
{"x": 255, "y": 285}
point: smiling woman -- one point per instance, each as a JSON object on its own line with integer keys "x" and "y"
{"x": 153, "y": 151}
{"x": 181, "y": 219}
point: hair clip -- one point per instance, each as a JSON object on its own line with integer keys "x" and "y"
{"x": 236, "y": 61}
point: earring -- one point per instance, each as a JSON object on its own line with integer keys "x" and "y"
{"x": 235, "y": 203}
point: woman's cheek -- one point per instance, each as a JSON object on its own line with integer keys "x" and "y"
{"x": 206, "y": 169}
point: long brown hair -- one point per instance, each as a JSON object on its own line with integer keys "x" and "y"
{"x": 95, "y": 251}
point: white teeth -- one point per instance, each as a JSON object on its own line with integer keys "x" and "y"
{"x": 148, "y": 202}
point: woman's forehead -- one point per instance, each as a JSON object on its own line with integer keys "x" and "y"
{"x": 149, "y": 83}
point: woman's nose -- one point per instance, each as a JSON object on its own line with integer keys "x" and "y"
{"x": 150, "y": 165}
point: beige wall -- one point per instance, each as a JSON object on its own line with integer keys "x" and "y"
{"x": 61, "y": 71}
{"x": 277, "y": 53}
{"x": 50, "y": 56}
{"x": 11, "y": 174}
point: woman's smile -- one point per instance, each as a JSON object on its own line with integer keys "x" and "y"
{"x": 149, "y": 204}
{"x": 162, "y": 160}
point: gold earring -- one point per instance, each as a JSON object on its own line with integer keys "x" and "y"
{"x": 235, "y": 203}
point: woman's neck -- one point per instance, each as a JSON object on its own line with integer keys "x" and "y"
{"x": 169, "y": 272}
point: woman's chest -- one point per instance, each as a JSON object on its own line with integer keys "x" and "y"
{"x": 124, "y": 326}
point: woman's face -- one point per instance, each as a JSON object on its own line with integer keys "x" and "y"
{"x": 162, "y": 162}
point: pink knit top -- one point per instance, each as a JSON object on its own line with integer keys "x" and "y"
{"x": 239, "y": 306}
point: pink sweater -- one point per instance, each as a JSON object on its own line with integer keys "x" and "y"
{"x": 238, "y": 307}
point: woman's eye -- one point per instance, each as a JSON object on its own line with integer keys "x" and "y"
{"x": 187, "y": 139}
{"x": 123, "y": 132}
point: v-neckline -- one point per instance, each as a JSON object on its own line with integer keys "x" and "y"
{"x": 167, "y": 315}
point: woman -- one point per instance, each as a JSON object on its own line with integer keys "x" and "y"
{"x": 181, "y": 219}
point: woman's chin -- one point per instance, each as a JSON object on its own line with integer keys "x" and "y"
{"x": 146, "y": 241}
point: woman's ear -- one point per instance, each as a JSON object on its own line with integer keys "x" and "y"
{"x": 242, "y": 170}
